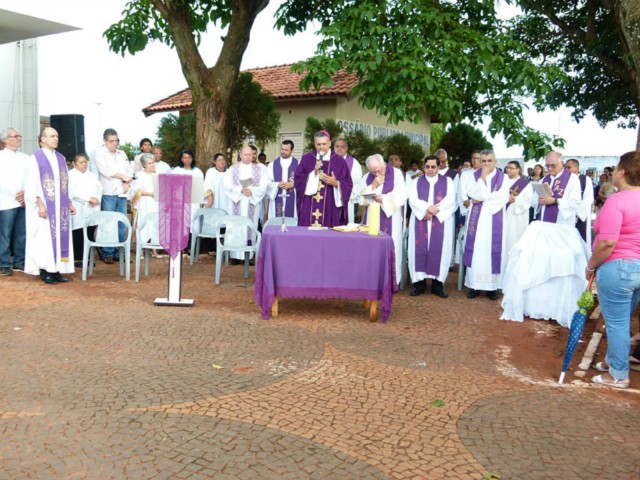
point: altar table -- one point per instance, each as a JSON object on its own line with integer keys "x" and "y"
{"x": 303, "y": 263}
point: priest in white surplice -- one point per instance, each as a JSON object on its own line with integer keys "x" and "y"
{"x": 385, "y": 184}
{"x": 49, "y": 247}
{"x": 467, "y": 180}
{"x": 341, "y": 147}
{"x": 562, "y": 207}
{"x": 520, "y": 196}
{"x": 245, "y": 201}
{"x": 280, "y": 173}
{"x": 214, "y": 196}
{"x": 583, "y": 220}
{"x": 433, "y": 203}
{"x": 484, "y": 254}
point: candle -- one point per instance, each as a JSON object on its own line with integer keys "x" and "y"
{"x": 373, "y": 218}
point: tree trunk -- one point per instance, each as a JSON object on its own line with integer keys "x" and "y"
{"x": 210, "y": 131}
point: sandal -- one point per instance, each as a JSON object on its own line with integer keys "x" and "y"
{"x": 617, "y": 383}
{"x": 601, "y": 367}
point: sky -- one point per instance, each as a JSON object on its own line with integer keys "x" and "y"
{"x": 78, "y": 74}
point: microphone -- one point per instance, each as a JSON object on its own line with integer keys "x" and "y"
{"x": 320, "y": 171}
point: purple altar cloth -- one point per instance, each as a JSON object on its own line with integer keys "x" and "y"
{"x": 304, "y": 263}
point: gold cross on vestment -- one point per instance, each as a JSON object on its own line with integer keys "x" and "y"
{"x": 316, "y": 224}
{"x": 318, "y": 197}
{"x": 316, "y": 214}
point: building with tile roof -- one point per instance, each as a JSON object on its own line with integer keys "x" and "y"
{"x": 294, "y": 106}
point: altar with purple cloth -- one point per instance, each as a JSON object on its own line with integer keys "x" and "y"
{"x": 303, "y": 263}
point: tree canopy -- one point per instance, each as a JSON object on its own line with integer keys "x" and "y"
{"x": 456, "y": 57}
{"x": 460, "y": 141}
{"x": 597, "y": 42}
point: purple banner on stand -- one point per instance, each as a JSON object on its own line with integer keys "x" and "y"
{"x": 174, "y": 212}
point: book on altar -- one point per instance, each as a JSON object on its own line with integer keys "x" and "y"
{"x": 351, "y": 227}
{"x": 197, "y": 188}
{"x": 246, "y": 182}
{"x": 542, "y": 189}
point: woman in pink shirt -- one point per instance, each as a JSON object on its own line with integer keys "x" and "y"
{"x": 616, "y": 261}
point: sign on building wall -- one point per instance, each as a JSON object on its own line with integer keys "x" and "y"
{"x": 375, "y": 131}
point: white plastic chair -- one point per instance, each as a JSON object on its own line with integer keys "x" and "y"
{"x": 106, "y": 236}
{"x": 234, "y": 239}
{"x": 277, "y": 221}
{"x": 204, "y": 225}
{"x": 145, "y": 248}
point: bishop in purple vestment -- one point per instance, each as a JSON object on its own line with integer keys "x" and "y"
{"x": 323, "y": 186}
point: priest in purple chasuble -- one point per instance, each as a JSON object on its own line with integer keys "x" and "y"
{"x": 520, "y": 197}
{"x": 280, "y": 173}
{"x": 563, "y": 206}
{"x": 388, "y": 185}
{"x": 484, "y": 254}
{"x": 49, "y": 246}
{"x": 245, "y": 186}
{"x": 323, "y": 186}
{"x": 341, "y": 147}
{"x": 432, "y": 198}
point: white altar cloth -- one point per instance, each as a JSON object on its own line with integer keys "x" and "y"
{"x": 544, "y": 277}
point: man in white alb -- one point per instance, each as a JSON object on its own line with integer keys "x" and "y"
{"x": 433, "y": 202}
{"x": 49, "y": 249}
{"x": 341, "y": 147}
{"x": 245, "y": 200}
{"x": 385, "y": 185}
{"x": 517, "y": 213}
{"x": 565, "y": 200}
{"x": 280, "y": 173}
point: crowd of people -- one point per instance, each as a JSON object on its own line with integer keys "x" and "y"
{"x": 473, "y": 215}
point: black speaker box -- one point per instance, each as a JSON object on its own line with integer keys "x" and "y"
{"x": 71, "y": 134}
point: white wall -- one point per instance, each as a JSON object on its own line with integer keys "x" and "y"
{"x": 19, "y": 91}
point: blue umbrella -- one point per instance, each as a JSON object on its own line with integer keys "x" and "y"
{"x": 578, "y": 320}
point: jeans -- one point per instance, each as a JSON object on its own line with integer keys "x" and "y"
{"x": 13, "y": 235}
{"x": 618, "y": 293}
{"x": 113, "y": 203}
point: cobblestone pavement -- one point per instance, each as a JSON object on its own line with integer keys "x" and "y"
{"x": 96, "y": 382}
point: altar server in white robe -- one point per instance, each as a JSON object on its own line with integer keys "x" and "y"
{"x": 432, "y": 198}
{"x": 49, "y": 246}
{"x": 341, "y": 147}
{"x": 517, "y": 213}
{"x": 280, "y": 173}
{"x": 583, "y": 220}
{"x": 385, "y": 185}
{"x": 214, "y": 184}
{"x": 562, "y": 207}
{"x": 245, "y": 201}
{"x": 484, "y": 254}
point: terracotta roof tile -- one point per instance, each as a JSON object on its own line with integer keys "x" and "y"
{"x": 278, "y": 80}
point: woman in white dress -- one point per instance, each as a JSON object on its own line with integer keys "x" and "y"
{"x": 86, "y": 191}
{"x": 143, "y": 201}
{"x": 187, "y": 166}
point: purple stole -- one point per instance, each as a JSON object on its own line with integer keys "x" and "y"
{"x": 49, "y": 189}
{"x": 174, "y": 213}
{"x": 348, "y": 159}
{"x": 385, "y": 222}
{"x": 496, "y": 228}
{"x": 428, "y": 252}
{"x": 557, "y": 190}
{"x": 517, "y": 187}
{"x": 451, "y": 173}
{"x": 277, "y": 175}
